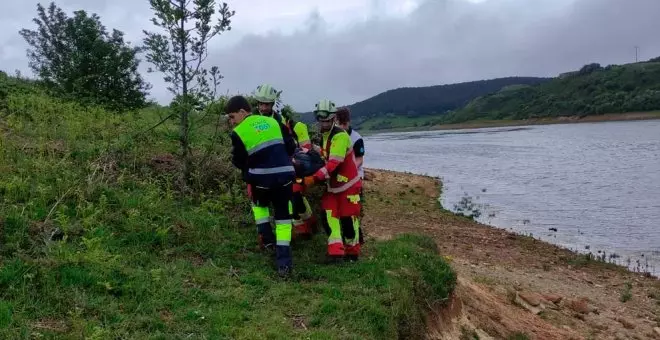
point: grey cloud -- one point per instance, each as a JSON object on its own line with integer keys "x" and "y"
{"x": 129, "y": 16}
{"x": 442, "y": 41}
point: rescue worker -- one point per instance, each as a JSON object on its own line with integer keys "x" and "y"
{"x": 264, "y": 157}
{"x": 357, "y": 144}
{"x": 298, "y": 129}
{"x": 341, "y": 201}
{"x": 303, "y": 217}
{"x": 266, "y": 96}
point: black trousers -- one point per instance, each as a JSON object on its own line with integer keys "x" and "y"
{"x": 279, "y": 198}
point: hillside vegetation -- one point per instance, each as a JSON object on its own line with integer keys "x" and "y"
{"x": 97, "y": 240}
{"x": 593, "y": 90}
{"x": 415, "y": 102}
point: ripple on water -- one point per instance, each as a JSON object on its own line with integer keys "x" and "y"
{"x": 598, "y": 184}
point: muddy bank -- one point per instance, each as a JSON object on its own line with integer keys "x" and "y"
{"x": 509, "y": 284}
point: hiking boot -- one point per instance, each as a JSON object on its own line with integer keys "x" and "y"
{"x": 336, "y": 249}
{"x": 353, "y": 250}
{"x": 351, "y": 258}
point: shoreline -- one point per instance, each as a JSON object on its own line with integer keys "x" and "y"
{"x": 578, "y": 249}
{"x": 446, "y": 210}
{"x": 511, "y": 283}
{"x": 621, "y": 256}
{"x": 610, "y": 117}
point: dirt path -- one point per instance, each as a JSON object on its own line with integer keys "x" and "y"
{"x": 510, "y": 284}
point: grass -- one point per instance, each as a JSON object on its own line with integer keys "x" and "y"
{"x": 394, "y": 122}
{"x": 580, "y": 260}
{"x": 96, "y": 241}
{"x": 518, "y": 336}
{"x": 231, "y": 294}
{"x": 655, "y": 294}
{"x": 626, "y": 292}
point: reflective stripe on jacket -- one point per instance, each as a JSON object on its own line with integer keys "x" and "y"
{"x": 268, "y": 163}
{"x": 340, "y": 170}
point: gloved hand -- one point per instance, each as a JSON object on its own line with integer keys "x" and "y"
{"x": 309, "y": 180}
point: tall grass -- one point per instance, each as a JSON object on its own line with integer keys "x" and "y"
{"x": 96, "y": 240}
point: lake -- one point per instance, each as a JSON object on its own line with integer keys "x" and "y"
{"x": 596, "y": 184}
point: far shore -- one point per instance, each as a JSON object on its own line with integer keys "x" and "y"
{"x": 612, "y": 117}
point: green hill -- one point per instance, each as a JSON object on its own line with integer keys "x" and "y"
{"x": 592, "y": 90}
{"x": 418, "y": 103}
{"x": 97, "y": 241}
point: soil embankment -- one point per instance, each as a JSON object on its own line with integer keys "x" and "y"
{"x": 512, "y": 286}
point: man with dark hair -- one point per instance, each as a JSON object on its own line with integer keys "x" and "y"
{"x": 357, "y": 144}
{"x": 264, "y": 157}
{"x": 266, "y": 97}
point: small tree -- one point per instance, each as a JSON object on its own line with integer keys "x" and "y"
{"x": 78, "y": 58}
{"x": 179, "y": 53}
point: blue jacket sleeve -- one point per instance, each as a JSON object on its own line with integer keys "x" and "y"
{"x": 239, "y": 156}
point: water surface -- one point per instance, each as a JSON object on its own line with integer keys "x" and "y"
{"x": 597, "y": 184}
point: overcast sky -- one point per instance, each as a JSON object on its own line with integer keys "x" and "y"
{"x": 349, "y": 50}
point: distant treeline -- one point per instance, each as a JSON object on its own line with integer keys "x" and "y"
{"x": 591, "y": 90}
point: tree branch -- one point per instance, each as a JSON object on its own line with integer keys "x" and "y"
{"x": 213, "y": 140}
{"x": 155, "y": 126}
